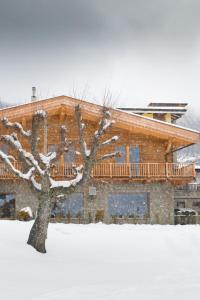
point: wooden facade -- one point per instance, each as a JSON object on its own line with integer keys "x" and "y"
{"x": 147, "y": 145}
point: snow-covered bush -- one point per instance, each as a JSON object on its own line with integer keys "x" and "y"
{"x": 25, "y": 214}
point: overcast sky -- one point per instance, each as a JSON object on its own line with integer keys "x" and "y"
{"x": 140, "y": 50}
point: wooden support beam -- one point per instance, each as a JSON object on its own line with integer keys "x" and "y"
{"x": 169, "y": 146}
{"x": 45, "y": 145}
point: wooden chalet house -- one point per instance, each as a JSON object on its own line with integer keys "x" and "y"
{"x": 137, "y": 187}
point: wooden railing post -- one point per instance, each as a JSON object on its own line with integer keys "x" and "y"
{"x": 167, "y": 169}
{"x": 111, "y": 170}
{"x": 148, "y": 170}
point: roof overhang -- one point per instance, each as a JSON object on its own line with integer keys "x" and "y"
{"x": 129, "y": 121}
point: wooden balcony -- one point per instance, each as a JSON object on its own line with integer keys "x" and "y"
{"x": 131, "y": 171}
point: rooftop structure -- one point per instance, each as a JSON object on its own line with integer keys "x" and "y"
{"x": 168, "y": 112}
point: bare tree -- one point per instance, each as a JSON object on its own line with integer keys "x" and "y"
{"x": 36, "y": 167}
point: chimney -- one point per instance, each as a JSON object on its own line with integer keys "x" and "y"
{"x": 33, "y": 97}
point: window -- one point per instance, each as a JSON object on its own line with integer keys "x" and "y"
{"x": 122, "y": 158}
{"x": 7, "y": 205}
{"x": 134, "y": 154}
{"x": 196, "y": 203}
{"x": 72, "y": 205}
{"x": 180, "y": 204}
{"x": 69, "y": 156}
{"x": 128, "y": 204}
{"x": 52, "y": 148}
{"x": 4, "y": 148}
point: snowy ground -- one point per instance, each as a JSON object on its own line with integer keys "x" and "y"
{"x": 107, "y": 262}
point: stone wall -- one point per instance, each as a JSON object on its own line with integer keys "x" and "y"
{"x": 23, "y": 195}
{"x": 160, "y": 198}
{"x": 161, "y": 201}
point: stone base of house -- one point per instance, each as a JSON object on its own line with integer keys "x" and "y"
{"x": 99, "y": 202}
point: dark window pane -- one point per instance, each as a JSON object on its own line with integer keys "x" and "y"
{"x": 196, "y": 204}
{"x": 181, "y": 204}
{"x": 134, "y": 154}
{"x": 4, "y": 148}
{"x": 7, "y": 205}
{"x": 52, "y": 148}
{"x": 69, "y": 156}
{"x": 72, "y": 205}
{"x": 122, "y": 158}
{"x": 125, "y": 204}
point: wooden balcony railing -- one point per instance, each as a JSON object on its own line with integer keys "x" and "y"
{"x": 121, "y": 170}
{"x": 144, "y": 170}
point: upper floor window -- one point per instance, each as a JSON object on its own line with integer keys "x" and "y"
{"x": 134, "y": 154}
{"x": 122, "y": 158}
{"x": 52, "y": 148}
{"x": 4, "y": 148}
{"x": 69, "y": 156}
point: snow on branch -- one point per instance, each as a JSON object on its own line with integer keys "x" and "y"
{"x": 104, "y": 124}
{"x": 17, "y": 126}
{"x": 13, "y": 141}
{"x": 35, "y": 184}
{"x": 41, "y": 113}
{"x": 38, "y": 120}
{"x": 13, "y": 170}
{"x": 48, "y": 158}
{"x": 68, "y": 183}
{"x": 107, "y": 156}
{"x": 86, "y": 150}
{"x": 109, "y": 141}
{"x": 81, "y": 127}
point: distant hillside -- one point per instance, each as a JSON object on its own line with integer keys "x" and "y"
{"x": 191, "y": 120}
{"x": 4, "y": 104}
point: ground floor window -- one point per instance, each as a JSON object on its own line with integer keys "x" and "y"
{"x": 128, "y": 204}
{"x": 71, "y": 206}
{"x": 180, "y": 204}
{"x": 7, "y": 205}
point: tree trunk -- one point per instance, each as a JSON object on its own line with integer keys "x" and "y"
{"x": 38, "y": 233}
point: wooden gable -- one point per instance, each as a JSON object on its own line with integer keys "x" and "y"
{"x": 133, "y": 123}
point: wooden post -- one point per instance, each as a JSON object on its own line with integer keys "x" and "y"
{"x": 148, "y": 170}
{"x": 45, "y": 146}
{"x": 127, "y": 153}
{"x": 110, "y": 169}
{"x": 167, "y": 169}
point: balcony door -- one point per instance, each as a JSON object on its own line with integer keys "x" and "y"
{"x": 128, "y": 154}
{"x": 134, "y": 159}
{"x": 134, "y": 154}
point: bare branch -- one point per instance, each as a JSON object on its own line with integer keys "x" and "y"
{"x": 104, "y": 124}
{"x": 37, "y": 121}
{"x": 37, "y": 186}
{"x": 64, "y": 143}
{"x": 17, "y": 126}
{"x": 81, "y": 127}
